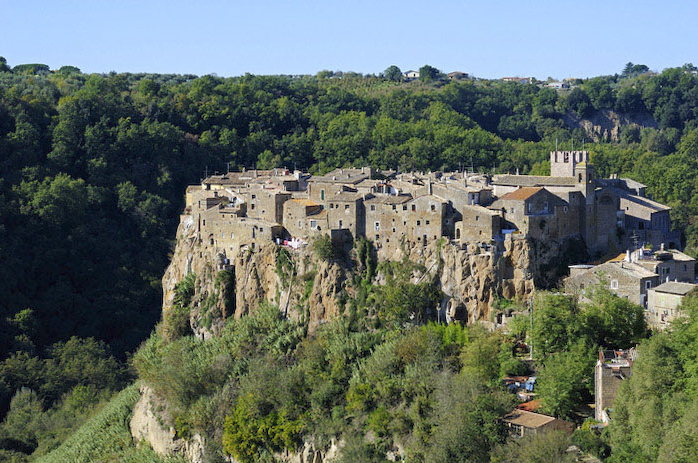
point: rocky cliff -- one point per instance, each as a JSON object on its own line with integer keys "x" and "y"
{"x": 306, "y": 287}
{"x": 605, "y": 124}
{"x": 314, "y": 290}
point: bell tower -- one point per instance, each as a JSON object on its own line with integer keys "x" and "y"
{"x": 564, "y": 163}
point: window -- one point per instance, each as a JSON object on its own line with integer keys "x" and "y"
{"x": 566, "y": 157}
{"x": 204, "y": 221}
{"x": 313, "y": 223}
{"x": 254, "y": 196}
{"x": 614, "y": 284}
{"x": 331, "y": 206}
{"x": 377, "y": 225}
{"x": 300, "y": 224}
{"x": 419, "y": 222}
{"x": 252, "y": 206}
{"x": 378, "y": 238}
{"x": 322, "y": 195}
{"x": 427, "y": 222}
{"x": 373, "y": 207}
{"x": 404, "y": 208}
{"x": 261, "y": 230}
{"x": 414, "y": 208}
{"x": 648, "y": 284}
{"x": 393, "y": 229}
{"x": 477, "y": 217}
{"x": 346, "y": 207}
{"x": 232, "y": 235}
{"x": 394, "y": 207}
{"x": 223, "y": 235}
{"x": 433, "y": 208}
{"x": 340, "y": 224}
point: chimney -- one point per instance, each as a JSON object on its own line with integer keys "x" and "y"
{"x": 661, "y": 247}
{"x": 627, "y": 255}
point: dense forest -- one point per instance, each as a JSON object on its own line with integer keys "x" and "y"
{"x": 92, "y": 174}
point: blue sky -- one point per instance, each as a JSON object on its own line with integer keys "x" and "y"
{"x": 487, "y": 39}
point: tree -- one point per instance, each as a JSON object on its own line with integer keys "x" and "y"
{"x": 429, "y": 74}
{"x": 393, "y": 73}
{"x": 565, "y": 379}
{"x": 3, "y": 65}
{"x": 556, "y": 324}
{"x": 579, "y": 102}
{"x": 614, "y": 322}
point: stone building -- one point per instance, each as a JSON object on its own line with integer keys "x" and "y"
{"x": 633, "y": 274}
{"x": 626, "y": 279}
{"x": 538, "y": 213}
{"x": 477, "y": 224}
{"x": 397, "y": 209}
{"x": 522, "y": 423}
{"x": 612, "y": 368}
{"x": 609, "y": 211}
{"x": 386, "y": 217}
{"x": 664, "y": 301}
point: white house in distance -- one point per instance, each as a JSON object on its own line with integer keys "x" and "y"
{"x": 411, "y": 75}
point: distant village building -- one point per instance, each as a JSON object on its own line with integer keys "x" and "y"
{"x": 251, "y": 209}
{"x": 663, "y": 303}
{"x": 612, "y": 368}
{"x": 411, "y": 75}
{"x": 522, "y": 423}
{"x": 633, "y": 274}
{"x": 519, "y": 80}
{"x": 457, "y": 75}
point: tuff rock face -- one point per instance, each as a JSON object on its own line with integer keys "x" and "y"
{"x": 311, "y": 289}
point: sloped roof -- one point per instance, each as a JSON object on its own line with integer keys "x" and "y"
{"x": 675, "y": 287}
{"x": 305, "y": 202}
{"x": 533, "y": 180}
{"x": 521, "y": 194}
{"x": 527, "y": 419}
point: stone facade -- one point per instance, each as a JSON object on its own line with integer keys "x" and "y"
{"x": 634, "y": 274}
{"x": 612, "y": 368}
{"x": 664, "y": 301}
{"x": 395, "y": 210}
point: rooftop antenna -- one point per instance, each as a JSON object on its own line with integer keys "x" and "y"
{"x": 635, "y": 238}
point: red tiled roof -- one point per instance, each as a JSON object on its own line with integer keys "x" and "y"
{"x": 522, "y": 194}
{"x": 531, "y": 406}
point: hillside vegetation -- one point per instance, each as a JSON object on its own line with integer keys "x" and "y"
{"x": 93, "y": 170}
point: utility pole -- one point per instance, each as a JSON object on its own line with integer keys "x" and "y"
{"x": 530, "y": 336}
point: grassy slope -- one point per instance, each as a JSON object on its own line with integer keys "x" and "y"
{"x": 106, "y": 437}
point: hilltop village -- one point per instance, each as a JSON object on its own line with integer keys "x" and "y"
{"x": 252, "y": 209}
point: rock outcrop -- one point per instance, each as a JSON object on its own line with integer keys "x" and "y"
{"x": 149, "y": 424}
{"x": 605, "y": 124}
{"x": 313, "y": 290}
